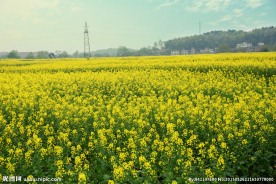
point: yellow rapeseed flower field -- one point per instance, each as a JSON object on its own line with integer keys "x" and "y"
{"x": 139, "y": 119}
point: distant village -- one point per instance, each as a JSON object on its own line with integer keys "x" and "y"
{"x": 240, "y": 47}
{"x": 258, "y": 40}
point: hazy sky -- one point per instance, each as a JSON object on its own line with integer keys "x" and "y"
{"x": 33, "y": 25}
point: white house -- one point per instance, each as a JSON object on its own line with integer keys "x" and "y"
{"x": 243, "y": 45}
{"x": 175, "y": 52}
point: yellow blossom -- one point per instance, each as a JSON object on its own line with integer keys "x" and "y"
{"x": 223, "y": 145}
{"x": 111, "y": 182}
{"x": 82, "y": 177}
{"x": 209, "y": 173}
{"x": 174, "y": 182}
{"x": 244, "y": 141}
{"x": 118, "y": 173}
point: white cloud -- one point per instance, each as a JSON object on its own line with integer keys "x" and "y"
{"x": 225, "y": 18}
{"x": 238, "y": 12}
{"x": 229, "y": 10}
{"x": 234, "y": 14}
{"x": 220, "y": 5}
{"x": 167, "y": 3}
{"x": 208, "y": 5}
{"x": 163, "y": 3}
{"x": 27, "y": 10}
{"x": 196, "y": 6}
{"x": 216, "y": 5}
{"x": 254, "y": 3}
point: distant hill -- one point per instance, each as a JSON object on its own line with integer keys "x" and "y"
{"x": 3, "y": 54}
{"x": 21, "y": 54}
{"x": 111, "y": 52}
{"x": 230, "y": 39}
{"x": 262, "y": 39}
{"x": 105, "y": 52}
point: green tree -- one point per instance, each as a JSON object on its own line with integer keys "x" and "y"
{"x": 223, "y": 48}
{"x": 64, "y": 54}
{"x": 274, "y": 47}
{"x": 13, "y": 54}
{"x": 155, "y": 46}
{"x": 161, "y": 45}
{"x": 123, "y": 51}
{"x": 214, "y": 39}
{"x": 42, "y": 54}
{"x": 76, "y": 54}
{"x": 30, "y": 56}
{"x": 145, "y": 51}
{"x": 264, "y": 48}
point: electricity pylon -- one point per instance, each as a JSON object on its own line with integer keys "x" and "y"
{"x": 86, "y": 52}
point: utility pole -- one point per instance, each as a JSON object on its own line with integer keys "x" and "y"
{"x": 86, "y": 52}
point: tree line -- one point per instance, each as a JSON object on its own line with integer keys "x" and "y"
{"x": 225, "y": 41}
{"x": 221, "y": 41}
{"x": 36, "y": 55}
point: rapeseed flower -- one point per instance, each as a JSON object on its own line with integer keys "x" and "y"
{"x": 149, "y": 119}
{"x": 82, "y": 177}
